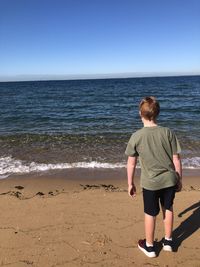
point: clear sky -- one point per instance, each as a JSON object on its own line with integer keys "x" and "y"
{"x": 72, "y": 37}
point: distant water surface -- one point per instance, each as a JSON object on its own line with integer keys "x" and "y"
{"x": 87, "y": 123}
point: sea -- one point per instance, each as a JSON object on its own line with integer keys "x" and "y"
{"x": 52, "y": 125}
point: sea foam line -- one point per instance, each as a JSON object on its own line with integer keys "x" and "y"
{"x": 9, "y": 165}
{"x": 191, "y": 163}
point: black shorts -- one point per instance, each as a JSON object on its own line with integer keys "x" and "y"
{"x": 152, "y": 198}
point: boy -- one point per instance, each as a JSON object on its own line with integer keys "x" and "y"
{"x": 161, "y": 173}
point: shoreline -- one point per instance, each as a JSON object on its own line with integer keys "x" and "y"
{"x": 85, "y": 173}
{"x": 90, "y": 173}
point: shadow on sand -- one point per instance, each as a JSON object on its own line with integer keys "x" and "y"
{"x": 190, "y": 225}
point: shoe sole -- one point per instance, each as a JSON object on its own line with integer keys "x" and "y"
{"x": 167, "y": 248}
{"x": 148, "y": 254}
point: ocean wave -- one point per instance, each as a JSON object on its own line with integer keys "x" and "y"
{"x": 9, "y": 165}
{"x": 191, "y": 163}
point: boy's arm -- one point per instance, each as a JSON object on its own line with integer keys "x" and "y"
{"x": 178, "y": 169}
{"x": 131, "y": 165}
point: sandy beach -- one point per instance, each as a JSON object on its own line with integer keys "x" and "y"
{"x": 86, "y": 218}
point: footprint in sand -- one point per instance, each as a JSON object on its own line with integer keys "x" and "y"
{"x": 39, "y": 194}
{"x": 19, "y": 187}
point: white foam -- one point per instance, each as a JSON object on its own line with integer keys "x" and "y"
{"x": 191, "y": 163}
{"x": 9, "y": 165}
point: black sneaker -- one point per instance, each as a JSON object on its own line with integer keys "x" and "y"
{"x": 167, "y": 245}
{"x": 148, "y": 251}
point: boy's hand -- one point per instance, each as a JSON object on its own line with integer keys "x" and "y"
{"x": 132, "y": 190}
{"x": 179, "y": 186}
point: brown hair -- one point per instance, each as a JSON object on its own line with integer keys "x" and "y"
{"x": 149, "y": 108}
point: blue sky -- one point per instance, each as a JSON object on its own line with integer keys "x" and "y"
{"x": 75, "y": 37}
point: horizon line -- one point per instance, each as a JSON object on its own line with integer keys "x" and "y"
{"x": 63, "y": 77}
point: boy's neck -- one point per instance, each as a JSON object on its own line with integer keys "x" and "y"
{"x": 148, "y": 123}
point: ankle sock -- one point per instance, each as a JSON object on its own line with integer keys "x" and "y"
{"x": 148, "y": 245}
{"x": 168, "y": 238}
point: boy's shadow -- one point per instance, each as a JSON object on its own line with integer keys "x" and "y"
{"x": 187, "y": 227}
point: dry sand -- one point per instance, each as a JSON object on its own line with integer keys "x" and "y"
{"x": 86, "y": 218}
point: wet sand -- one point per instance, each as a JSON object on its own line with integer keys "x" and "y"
{"x": 86, "y": 218}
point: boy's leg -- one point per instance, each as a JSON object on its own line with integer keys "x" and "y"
{"x": 168, "y": 219}
{"x": 151, "y": 209}
{"x": 166, "y": 200}
{"x": 149, "y": 222}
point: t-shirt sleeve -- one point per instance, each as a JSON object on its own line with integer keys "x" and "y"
{"x": 131, "y": 148}
{"x": 176, "y": 148}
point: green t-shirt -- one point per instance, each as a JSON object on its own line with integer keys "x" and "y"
{"x": 155, "y": 147}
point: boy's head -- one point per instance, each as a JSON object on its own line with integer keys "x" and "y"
{"x": 149, "y": 108}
